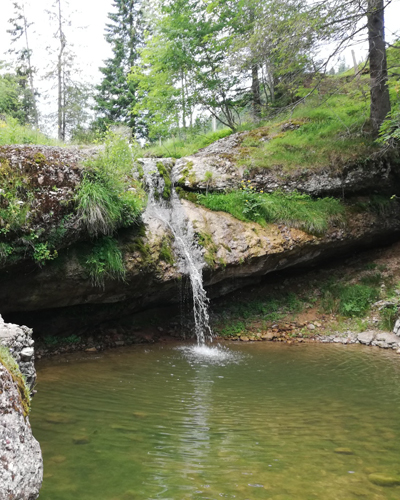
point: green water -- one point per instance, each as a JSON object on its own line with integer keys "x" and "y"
{"x": 154, "y": 423}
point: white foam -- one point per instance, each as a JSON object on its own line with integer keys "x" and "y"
{"x": 215, "y": 354}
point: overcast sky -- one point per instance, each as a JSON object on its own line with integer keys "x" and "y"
{"x": 88, "y": 19}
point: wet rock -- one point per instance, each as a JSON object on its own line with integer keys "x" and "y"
{"x": 58, "y": 418}
{"x": 80, "y": 440}
{"x": 384, "y": 479}
{"x": 366, "y": 337}
{"x": 396, "y": 329}
{"x": 244, "y": 339}
{"x": 268, "y": 336}
{"x": 27, "y": 353}
{"x": 19, "y": 342}
{"x": 386, "y": 340}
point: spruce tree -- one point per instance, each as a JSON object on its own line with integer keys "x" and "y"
{"x": 115, "y": 95}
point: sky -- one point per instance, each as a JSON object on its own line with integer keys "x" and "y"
{"x": 88, "y": 20}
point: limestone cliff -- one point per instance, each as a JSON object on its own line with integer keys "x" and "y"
{"x": 236, "y": 253}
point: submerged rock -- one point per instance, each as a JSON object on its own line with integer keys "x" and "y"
{"x": 384, "y": 479}
{"x": 344, "y": 451}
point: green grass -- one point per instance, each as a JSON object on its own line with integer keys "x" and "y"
{"x": 12, "y": 366}
{"x": 105, "y": 261}
{"x": 185, "y": 146}
{"x": 11, "y": 132}
{"x": 331, "y": 130}
{"x": 295, "y": 210}
{"x": 105, "y": 199}
{"x": 351, "y": 300}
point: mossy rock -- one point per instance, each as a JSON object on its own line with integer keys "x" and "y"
{"x": 384, "y": 479}
{"x": 58, "y": 418}
{"x": 80, "y": 440}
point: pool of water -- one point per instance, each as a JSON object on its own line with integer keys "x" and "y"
{"x": 253, "y": 421}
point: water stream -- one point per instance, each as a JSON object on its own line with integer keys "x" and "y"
{"x": 190, "y": 259}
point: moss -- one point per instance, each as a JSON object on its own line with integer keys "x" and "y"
{"x": 39, "y": 159}
{"x": 187, "y": 174}
{"x": 186, "y": 195}
{"x": 205, "y": 240}
{"x": 166, "y": 250}
{"x": 165, "y": 174}
{"x": 23, "y": 390}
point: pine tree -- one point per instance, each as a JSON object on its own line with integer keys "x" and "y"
{"x": 115, "y": 95}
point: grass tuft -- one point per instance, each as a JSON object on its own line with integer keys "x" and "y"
{"x": 294, "y": 209}
{"x": 105, "y": 261}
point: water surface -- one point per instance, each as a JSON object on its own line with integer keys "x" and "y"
{"x": 268, "y": 421}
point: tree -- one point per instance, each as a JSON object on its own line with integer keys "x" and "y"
{"x": 344, "y": 22}
{"x": 116, "y": 96}
{"x": 25, "y": 70}
{"x": 380, "y": 100}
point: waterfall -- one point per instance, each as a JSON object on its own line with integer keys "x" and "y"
{"x": 190, "y": 259}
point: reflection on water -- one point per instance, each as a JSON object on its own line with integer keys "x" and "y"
{"x": 253, "y": 421}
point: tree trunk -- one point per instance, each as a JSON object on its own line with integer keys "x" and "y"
{"x": 31, "y": 85}
{"x": 380, "y": 102}
{"x": 255, "y": 88}
{"x": 61, "y": 35}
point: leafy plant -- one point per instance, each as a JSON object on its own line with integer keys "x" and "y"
{"x": 42, "y": 253}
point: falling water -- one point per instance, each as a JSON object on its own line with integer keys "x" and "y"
{"x": 190, "y": 258}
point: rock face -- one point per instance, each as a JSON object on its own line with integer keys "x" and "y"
{"x": 21, "y": 466}
{"x": 236, "y": 253}
{"x": 18, "y": 340}
{"x": 221, "y": 161}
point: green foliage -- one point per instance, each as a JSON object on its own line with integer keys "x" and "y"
{"x": 116, "y": 95}
{"x": 105, "y": 261}
{"x": 163, "y": 171}
{"x": 388, "y": 317}
{"x": 186, "y": 145}
{"x": 325, "y": 132}
{"x": 12, "y": 132}
{"x": 294, "y": 209}
{"x": 105, "y": 198}
{"x": 12, "y": 366}
{"x": 352, "y": 300}
{"x": 43, "y": 253}
{"x": 13, "y": 205}
{"x": 166, "y": 252}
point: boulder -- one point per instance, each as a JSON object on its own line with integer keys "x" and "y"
{"x": 366, "y": 337}
{"x": 21, "y": 465}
